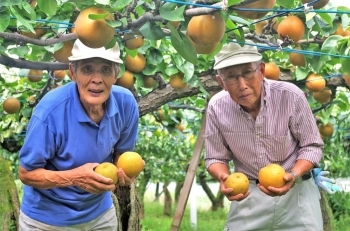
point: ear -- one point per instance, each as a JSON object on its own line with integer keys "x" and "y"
{"x": 218, "y": 78}
{"x": 71, "y": 73}
{"x": 262, "y": 70}
{"x": 116, "y": 75}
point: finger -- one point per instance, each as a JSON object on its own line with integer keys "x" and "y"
{"x": 323, "y": 173}
{"x": 264, "y": 190}
{"x": 227, "y": 191}
{"x": 328, "y": 190}
{"x": 102, "y": 179}
{"x": 121, "y": 177}
{"x": 327, "y": 179}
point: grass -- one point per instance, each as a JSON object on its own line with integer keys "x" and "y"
{"x": 206, "y": 219}
{"x": 342, "y": 224}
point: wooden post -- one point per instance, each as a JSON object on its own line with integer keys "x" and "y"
{"x": 191, "y": 172}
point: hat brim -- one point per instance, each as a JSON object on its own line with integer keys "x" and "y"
{"x": 75, "y": 58}
{"x": 237, "y": 59}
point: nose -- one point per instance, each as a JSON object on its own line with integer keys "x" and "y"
{"x": 241, "y": 83}
{"x": 96, "y": 77}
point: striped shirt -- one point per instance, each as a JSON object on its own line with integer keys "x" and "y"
{"x": 283, "y": 132}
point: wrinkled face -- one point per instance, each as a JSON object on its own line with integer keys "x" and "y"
{"x": 243, "y": 82}
{"x": 94, "y": 78}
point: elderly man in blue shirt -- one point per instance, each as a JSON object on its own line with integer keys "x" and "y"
{"x": 73, "y": 129}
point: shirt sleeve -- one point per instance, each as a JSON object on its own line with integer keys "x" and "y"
{"x": 39, "y": 145}
{"x": 217, "y": 150}
{"x": 128, "y": 136}
{"x": 304, "y": 129}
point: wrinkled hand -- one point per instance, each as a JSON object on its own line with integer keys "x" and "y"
{"x": 323, "y": 182}
{"x": 123, "y": 179}
{"x": 272, "y": 191}
{"x": 86, "y": 178}
{"x": 227, "y": 191}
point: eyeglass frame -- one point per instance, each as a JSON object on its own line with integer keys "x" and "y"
{"x": 235, "y": 78}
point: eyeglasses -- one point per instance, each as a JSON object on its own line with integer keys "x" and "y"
{"x": 246, "y": 75}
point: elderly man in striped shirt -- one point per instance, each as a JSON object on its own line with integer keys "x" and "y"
{"x": 254, "y": 122}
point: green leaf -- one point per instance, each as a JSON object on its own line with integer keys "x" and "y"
{"x": 173, "y": 15}
{"x": 330, "y": 44}
{"x": 188, "y": 70}
{"x": 133, "y": 53}
{"x": 171, "y": 70}
{"x": 285, "y": 4}
{"x": 342, "y": 105}
{"x": 9, "y": 2}
{"x": 21, "y": 51}
{"x": 162, "y": 66}
{"x": 103, "y": 2}
{"x": 111, "y": 43}
{"x": 150, "y": 69}
{"x": 309, "y": 16}
{"x": 20, "y": 20}
{"x": 345, "y": 20}
{"x": 328, "y": 18}
{"x": 154, "y": 57}
{"x": 233, "y": 2}
{"x": 300, "y": 73}
{"x": 98, "y": 16}
{"x": 152, "y": 31}
{"x": 310, "y": 22}
{"x": 120, "y": 4}
{"x": 48, "y": 6}
{"x": 177, "y": 60}
{"x": 182, "y": 45}
{"x": 345, "y": 65}
{"x": 239, "y": 20}
{"x": 114, "y": 24}
{"x": 4, "y": 18}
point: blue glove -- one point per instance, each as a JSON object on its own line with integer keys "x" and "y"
{"x": 324, "y": 183}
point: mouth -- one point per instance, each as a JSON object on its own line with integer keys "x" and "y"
{"x": 244, "y": 97}
{"x": 95, "y": 91}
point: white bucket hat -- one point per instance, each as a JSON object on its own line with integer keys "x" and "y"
{"x": 233, "y": 54}
{"x": 80, "y": 51}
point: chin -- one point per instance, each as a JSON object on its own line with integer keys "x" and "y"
{"x": 96, "y": 101}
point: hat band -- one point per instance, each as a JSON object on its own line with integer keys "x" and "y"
{"x": 237, "y": 53}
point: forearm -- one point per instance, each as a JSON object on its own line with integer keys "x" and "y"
{"x": 45, "y": 179}
{"x": 216, "y": 170}
{"x": 302, "y": 166}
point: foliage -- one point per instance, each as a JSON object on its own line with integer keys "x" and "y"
{"x": 340, "y": 204}
{"x": 166, "y": 150}
{"x": 337, "y": 147}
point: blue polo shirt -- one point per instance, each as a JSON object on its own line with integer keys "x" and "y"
{"x": 60, "y": 136}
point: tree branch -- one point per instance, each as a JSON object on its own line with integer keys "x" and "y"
{"x": 159, "y": 97}
{"x": 19, "y": 63}
{"x": 23, "y": 40}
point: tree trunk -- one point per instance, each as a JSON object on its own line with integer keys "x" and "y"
{"x": 157, "y": 193}
{"x": 9, "y": 202}
{"x": 216, "y": 201}
{"x": 178, "y": 188}
{"x": 141, "y": 189}
{"x": 167, "y": 199}
{"x": 327, "y": 214}
{"x": 127, "y": 205}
